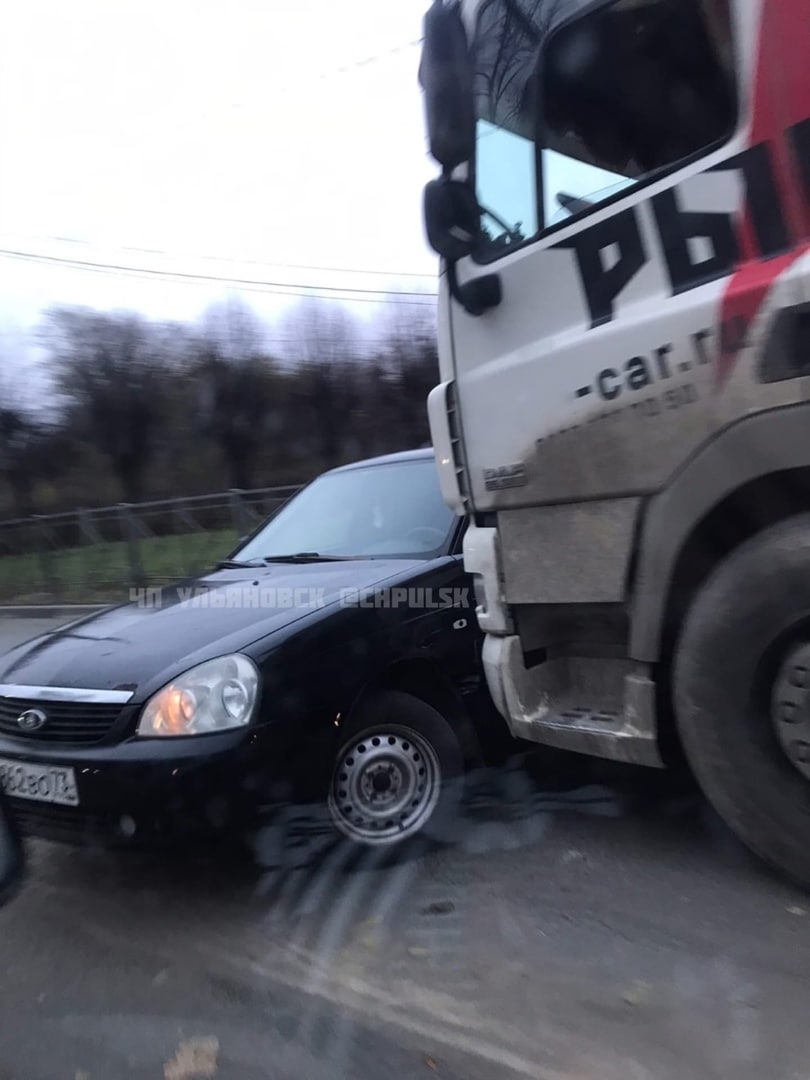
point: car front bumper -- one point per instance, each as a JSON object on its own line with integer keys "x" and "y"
{"x": 144, "y": 791}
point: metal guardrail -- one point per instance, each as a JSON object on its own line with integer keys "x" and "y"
{"x": 100, "y": 553}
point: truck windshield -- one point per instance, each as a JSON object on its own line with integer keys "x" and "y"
{"x": 508, "y": 39}
{"x": 637, "y": 86}
{"x": 376, "y": 511}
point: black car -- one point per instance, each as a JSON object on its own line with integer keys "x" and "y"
{"x": 332, "y": 660}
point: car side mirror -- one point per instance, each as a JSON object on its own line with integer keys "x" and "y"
{"x": 12, "y": 855}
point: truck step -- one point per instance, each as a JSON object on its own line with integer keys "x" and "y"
{"x": 600, "y": 706}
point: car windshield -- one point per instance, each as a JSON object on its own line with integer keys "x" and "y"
{"x": 392, "y": 510}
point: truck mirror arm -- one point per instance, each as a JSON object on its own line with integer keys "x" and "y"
{"x": 452, "y": 217}
{"x": 476, "y": 296}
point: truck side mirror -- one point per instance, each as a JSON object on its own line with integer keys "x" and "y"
{"x": 446, "y": 77}
{"x": 451, "y": 212}
{"x": 12, "y": 857}
{"x": 452, "y": 218}
{"x": 453, "y": 224}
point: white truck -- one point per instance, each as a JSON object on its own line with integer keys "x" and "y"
{"x": 623, "y": 220}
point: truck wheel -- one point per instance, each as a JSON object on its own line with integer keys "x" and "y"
{"x": 742, "y": 694}
{"x": 398, "y": 774}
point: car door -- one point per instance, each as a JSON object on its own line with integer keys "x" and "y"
{"x": 443, "y": 625}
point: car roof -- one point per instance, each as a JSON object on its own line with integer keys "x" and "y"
{"x": 425, "y": 454}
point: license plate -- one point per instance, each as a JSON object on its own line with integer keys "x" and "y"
{"x": 40, "y": 783}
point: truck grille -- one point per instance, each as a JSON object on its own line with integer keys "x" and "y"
{"x": 457, "y": 445}
{"x": 68, "y": 722}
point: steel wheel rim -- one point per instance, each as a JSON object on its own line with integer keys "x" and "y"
{"x": 385, "y": 786}
{"x": 790, "y": 707}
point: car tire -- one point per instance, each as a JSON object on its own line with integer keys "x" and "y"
{"x": 398, "y": 775}
{"x": 742, "y": 715}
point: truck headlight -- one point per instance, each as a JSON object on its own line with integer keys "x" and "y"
{"x": 214, "y": 696}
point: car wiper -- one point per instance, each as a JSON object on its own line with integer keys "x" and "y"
{"x": 308, "y": 556}
{"x": 236, "y": 564}
{"x": 573, "y": 204}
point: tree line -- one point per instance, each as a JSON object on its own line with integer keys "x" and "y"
{"x": 137, "y": 409}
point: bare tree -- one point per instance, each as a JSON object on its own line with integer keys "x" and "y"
{"x": 237, "y": 387}
{"x": 329, "y": 356}
{"x": 163, "y": 404}
{"x": 407, "y": 355}
{"x": 109, "y": 371}
{"x": 234, "y": 329}
{"x": 15, "y": 426}
{"x": 323, "y": 332}
{"x": 402, "y": 331}
{"x": 17, "y": 434}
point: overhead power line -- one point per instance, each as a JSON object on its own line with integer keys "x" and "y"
{"x": 373, "y": 59}
{"x": 354, "y": 65}
{"x": 348, "y": 293}
{"x": 391, "y": 275}
{"x": 122, "y": 248}
{"x": 216, "y": 278}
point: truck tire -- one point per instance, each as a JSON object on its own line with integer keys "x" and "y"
{"x": 741, "y": 683}
{"x": 398, "y": 774}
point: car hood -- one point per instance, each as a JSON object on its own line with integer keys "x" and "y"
{"x": 141, "y": 645}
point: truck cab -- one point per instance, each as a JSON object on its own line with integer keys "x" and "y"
{"x": 623, "y": 216}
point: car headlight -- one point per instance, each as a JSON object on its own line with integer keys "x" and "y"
{"x": 215, "y": 696}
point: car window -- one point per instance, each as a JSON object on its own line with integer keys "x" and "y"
{"x": 378, "y": 510}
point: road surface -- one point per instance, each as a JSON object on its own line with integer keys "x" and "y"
{"x": 584, "y": 926}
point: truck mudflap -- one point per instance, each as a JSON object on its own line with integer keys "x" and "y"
{"x": 604, "y": 707}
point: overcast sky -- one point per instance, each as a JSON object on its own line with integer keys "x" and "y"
{"x": 244, "y": 130}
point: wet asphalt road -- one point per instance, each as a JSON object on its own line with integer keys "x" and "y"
{"x": 587, "y": 923}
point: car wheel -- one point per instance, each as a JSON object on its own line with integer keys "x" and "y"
{"x": 742, "y": 694}
{"x": 398, "y": 774}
